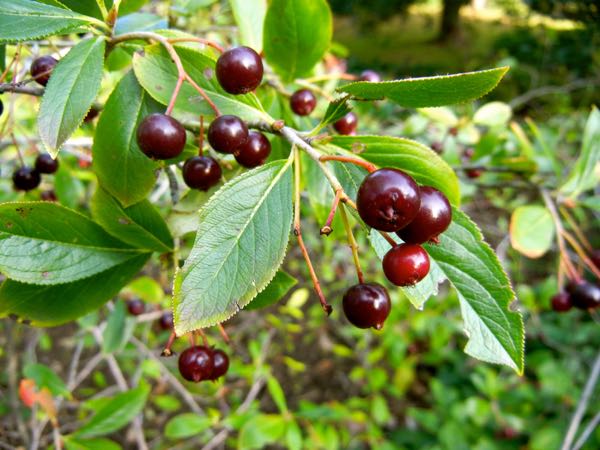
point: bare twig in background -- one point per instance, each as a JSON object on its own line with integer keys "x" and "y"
{"x": 587, "y": 432}
{"x": 525, "y": 98}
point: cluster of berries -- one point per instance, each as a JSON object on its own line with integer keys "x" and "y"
{"x": 390, "y": 200}
{"x": 199, "y": 363}
{"x": 160, "y": 136}
{"x": 26, "y": 178}
{"x": 581, "y": 294}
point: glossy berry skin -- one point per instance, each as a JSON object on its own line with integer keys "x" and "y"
{"x": 41, "y": 69}
{"x": 201, "y": 172}
{"x": 406, "y": 264}
{"x": 165, "y": 322}
{"x": 136, "y": 307}
{"x": 160, "y": 136}
{"x": 433, "y": 218}
{"x": 239, "y": 70}
{"x": 45, "y": 164}
{"x": 367, "y": 305}
{"x": 303, "y": 102}
{"x": 254, "y": 151}
{"x": 388, "y": 199}
{"x": 347, "y": 124}
{"x": 220, "y": 364}
{"x": 561, "y": 302}
{"x": 196, "y": 363}
{"x": 26, "y": 178}
{"x": 227, "y": 133}
{"x": 371, "y": 76}
{"x": 584, "y": 295}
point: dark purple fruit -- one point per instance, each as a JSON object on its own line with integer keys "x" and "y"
{"x": 165, "y": 322}
{"x": 160, "y": 136}
{"x": 239, "y": 70}
{"x": 196, "y": 363}
{"x": 254, "y": 151}
{"x": 136, "y": 307}
{"x": 303, "y": 102}
{"x": 201, "y": 172}
{"x": 44, "y": 163}
{"x": 367, "y": 305}
{"x": 41, "y": 69}
{"x": 220, "y": 364}
{"x": 26, "y": 178}
{"x": 347, "y": 125}
{"x": 433, "y": 218}
{"x": 406, "y": 264}
{"x": 561, "y": 302}
{"x": 227, "y": 133}
{"x": 584, "y": 295}
{"x": 388, "y": 199}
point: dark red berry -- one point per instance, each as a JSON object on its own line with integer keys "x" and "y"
{"x": 165, "y": 322}
{"x": 367, "y": 305}
{"x": 347, "y": 124}
{"x": 160, "y": 136}
{"x": 370, "y": 76}
{"x": 388, "y": 199}
{"x": 466, "y": 157}
{"x": 584, "y": 295}
{"x": 303, "y": 102}
{"x": 227, "y": 133}
{"x": 136, "y": 307}
{"x": 239, "y": 70}
{"x": 48, "y": 196}
{"x": 201, "y": 172}
{"x": 91, "y": 115}
{"x": 434, "y": 216}
{"x": 561, "y": 302}
{"x": 406, "y": 264}
{"x": 437, "y": 147}
{"x": 220, "y": 364}
{"x": 41, "y": 69}
{"x": 474, "y": 173}
{"x": 254, "y": 151}
{"x": 26, "y": 178}
{"x": 196, "y": 363}
{"x": 595, "y": 257}
{"x": 44, "y": 163}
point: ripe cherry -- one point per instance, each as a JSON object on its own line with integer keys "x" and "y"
{"x": 467, "y": 156}
{"x": 370, "y": 76}
{"x": 561, "y": 302}
{"x": 367, "y": 305}
{"x": 347, "y": 124}
{"x": 41, "y": 69}
{"x": 254, "y": 151}
{"x": 44, "y": 163}
{"x": 201, "y": 172}
{"x": 165, "y": 322}
{"x": 160, "y": 136}
{"x": 196, "y": 363}
{"x": 136, "y": 307}
{"x": 584, "y": 295}
{"x": 434, "y": 216}
{"x": 239, "y": 70}
{"x": 220, "y": 364}
{"x": 227, "y": 133}
{"x": 388, "y": 199}
{"x": 303, "y": 102}
{"x": 406, "y": 264}
{"x": 26, "y": 178}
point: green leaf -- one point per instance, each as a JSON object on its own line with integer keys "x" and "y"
{"x": 116, "y": 413}
{"x": 277, "y": 394}
{"x": 44, "y": 243}
{"x": 531, "y": 230}
{"x": 261, "y": 430}
{"x": 242, "y": 239}
{"x": 139, "y": 225}
{"x": 45, "y": 377}
{"x": 140, "y": 22}
{"x": 90, "y": 444}
{"x": 156, "y": 72}
{"x": 584, "y": 175}
{"x": 420, "y": 292}
{"x": 146, "y": 288}
{"x": 335, "y": 111}
{"x": 293, "y": 436}
{"x": 297, "y": 34}
{"x": 54, "y": 305}
{"x": 429, "y": 91}
{"x": 26, "y": 19}
{"x": 70, "y": 92}
{"x": 186, "y": 425}
{"x": 121, "y": 167}
{"x": 493, "y": 114}
{"x": 275, "y": 291}
{"x": 68, "y": 189}
{"x": 414, "y": 158}
{"x": 250, "y": 17}
{"x": 495, "y": 332}
{"x": 119, "y": 328}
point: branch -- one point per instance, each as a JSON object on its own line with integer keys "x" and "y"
{"x": 20, "y": 89}
{"x": 521, "y": 100}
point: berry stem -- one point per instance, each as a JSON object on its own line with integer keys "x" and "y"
{"x": 388, "y": 238}
{"x": 224, "y": 334}
{"x": 204, "y": 338}
{"x": 180, "y": 79}
{"x": 199, "y": 40}
{"x": 167, "y": 350}
{"x": 19, "y": 154}
{"x": 349, "y": 159}
{"x": 576, "y": 229}
{"x": 352, "y": 243}
{"x": 579, "y": 250}
{"x": 315, "y": 88}
{"x": 298, "y": 232}
{"x": 326, "y": 229}
{"x": 201, "y": 137}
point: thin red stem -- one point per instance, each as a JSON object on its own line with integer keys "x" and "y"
{"x": 19, "y": 154}
{"x": 349, "y": 159}
{"x": 326, "y": 229}
{"x": 203, "y": 94}
{"x": 388, "y": 238}
{"x": 199, "y": 40}
{"x": 224, "y": 334}
{"x": 204, "y": 338}
{"x": 167, "y": 351}
{"x": 180, "y": 78}
{"x": 587, "y": 261}
{"x": 201, "y": 137}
